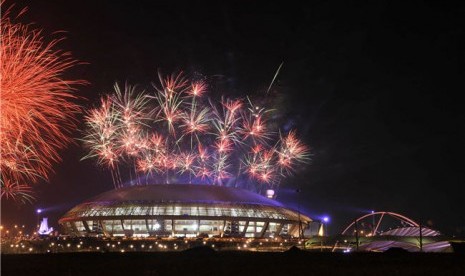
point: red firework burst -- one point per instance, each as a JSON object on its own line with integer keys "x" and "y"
{"x": 37, "y": 109}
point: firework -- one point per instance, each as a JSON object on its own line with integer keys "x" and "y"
{"x": 179, "y": 133}
{"x": 197, "y": 89}
{"x": 291, "y": 152}
{"x": 37, "y": 109}
{"x": 101, "y": 138}
{"x": 254, "y": 125}
{"x": 195, "y": 122}
{"x": 115, "y": 128}
{"x": 17, "y": 192}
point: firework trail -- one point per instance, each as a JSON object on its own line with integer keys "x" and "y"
{"x": 37, "y": 109}
{"x": 17, "y": 192}
{"x": 178, "y": 133}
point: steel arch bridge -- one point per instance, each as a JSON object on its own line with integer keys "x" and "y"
{"x": 376, "y": 220}
{"x": 379, "y": 231}
{"x": 366, "y": 233}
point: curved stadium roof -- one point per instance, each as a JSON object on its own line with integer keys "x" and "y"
{"x": 196, "y": 200}
{"x": 182, "y": 193}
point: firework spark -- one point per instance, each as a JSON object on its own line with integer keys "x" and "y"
{"x": 292, "y": 151}
{"x": 37, "y": 109}
{"x": 197, "y": 89}
{"x": 188, "y": 135}
{"x": 17, "y": 192}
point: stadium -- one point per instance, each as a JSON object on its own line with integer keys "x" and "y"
{"x": 182, "y": 210}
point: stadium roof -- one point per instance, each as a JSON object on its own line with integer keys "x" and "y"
{"x": 185, "y": 193}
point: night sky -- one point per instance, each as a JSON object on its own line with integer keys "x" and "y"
{"x": 376, "y": 89}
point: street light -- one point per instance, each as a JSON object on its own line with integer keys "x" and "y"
{"x": 298, "y": 212}
{"x": 325, "y": 225}
{"x": 38, "y": 211}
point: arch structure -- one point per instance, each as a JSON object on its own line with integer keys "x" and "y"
{"x": 380, "y": 231}
{"x": 187, "y": 210}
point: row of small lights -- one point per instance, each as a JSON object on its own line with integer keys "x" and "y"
{"x": 131, "y": 246}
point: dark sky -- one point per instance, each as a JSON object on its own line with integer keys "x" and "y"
{"x": 375, "y": 88}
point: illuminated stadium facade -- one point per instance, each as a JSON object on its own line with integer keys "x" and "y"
{"x": 182, "y": 210}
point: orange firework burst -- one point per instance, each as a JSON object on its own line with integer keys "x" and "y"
{"x": 37, "y": 112}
